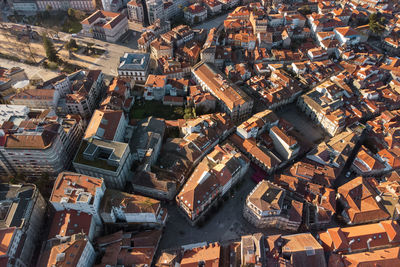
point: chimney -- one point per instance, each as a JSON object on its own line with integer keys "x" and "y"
{"x": 351, "y": 242}
{"x": 368, "y": 243}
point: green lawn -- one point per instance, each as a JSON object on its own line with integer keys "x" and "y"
{"x": 144, "y": 109}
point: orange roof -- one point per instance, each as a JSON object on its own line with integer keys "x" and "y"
{"x": 346, "y": 31}
{"x": 385, "y": 233}
{"x": 383, "y": 257}
{"x": 67, "y": 223}
{"x": 227, "y": 92}
{"x": 156, "y": 80}
{"x": 362, "y": 205}
{"x": 69, "y": 185}
{"x": 104, "y": 124}
{"x": 209, "y": 254}
{"x": 289, "y": 140}
{"x": 6, "y": 236}
{"x": 72, "y": 250}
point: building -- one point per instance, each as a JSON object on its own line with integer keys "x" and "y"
{"x": 155, "y": 87}
{"x": 129, "y": 249}
{"x": 155, "y": 10}
{"x": 135, "y": 11}
{"x": 108, "y": 125}
{"x": 119, "y": 95}
{"x": 37, "y": 98}
{"x": 251, "y": 250}
{"x": 67, "y": 223}
{"x": 22, "y": 210}
{"x": 381, "y": 257}
{"x": 75, "y": 251}
{"x": 211, "y": 179}
{"x": 104, "y": 25}
{"x": 110, "y": 160}
{"x": 81, "y": 92}
{"x": 299, "y": 250}
{"x": 347, "y": 240}
{"x": 73, "y": 191}
{"x": 36, "y": 145}
{"x": 195, "y": 13}
{"x": 257, "y": 124}
{"x": 120, "y": 207}
{"x": 361, "y": 202}
{"x": 24, "y": 5}
{"x": 233, "y": 100}
{"x": 208, "y": 255}
{"x": 286, "y": 145}
{"x": 336, "y": 151}
{"x": 84, "y": 5}
{"x": 134, "y": 66}
{"x": 347, "y": 35}
{"x": 269, "y": 205}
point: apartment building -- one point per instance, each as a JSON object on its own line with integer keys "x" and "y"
{"x": 128, "y": 248}
{"x": 258, "y": 124}
{"x": 85, "y": 91}
{"x": 105, "y": 25}
{"x": 107, "y": 125}
{"x": 134, "y": 66}
{"x": 135, "y": 11}
{"x": 37, "y": 98}
{"x": 22, "y": 210}
{"x": 361, "y": 202}
{"x": 76, "y": 250}
{"x": 211, "y": 179}
{"x": 84, "y": 5}
{"x": 45, "y": 144}
{"x": 367, "y": 237}
{"x": 233, "y": 100}
{"x": 269, "y": 205}
{"x": 195, "y": 13}
{"x": 119, "y": 95}
{"x": 120, "y": 207}
{"x": 300, "y": 250}
{"x": 110, "y": 160}
{"x": 74, "y": 191}
{"x": 66, "y": 223}
{"x": 286, "y": 145}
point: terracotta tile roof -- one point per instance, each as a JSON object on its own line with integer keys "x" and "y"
{"x": 362, "y": 205}
{"x": 210, "y": 255}
{"x": 72, "y": 250}
{"x": 289, "y": 140}
{"x": 129, "y": 203}
{"x": 267, "y": 196}
{"x": 104, "y": 124}
{"x": 39, "y": 140}
{"x": 229, "y": 93}
{"x": 346, "y": 31}
{"x": 69, "y": 185}
{"x": 68, "y": 223}
{"x": 384, "y": 233}
{"x": 382, "y": 257}
{"x": 156, "y": 80}
{"x": 35, "y": 94}
{"x": 6, "y": 235}
{"x": 112, "y": 19}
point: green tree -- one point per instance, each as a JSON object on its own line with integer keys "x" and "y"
{"x": 51, "y": 52}
{"x": 71, "y": 12}
{"x": 71, "y": 45}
